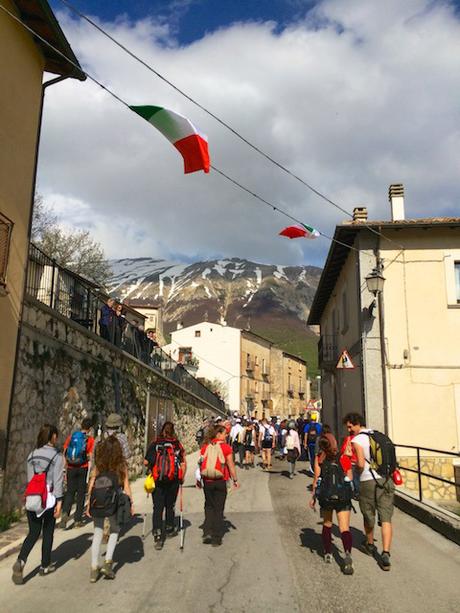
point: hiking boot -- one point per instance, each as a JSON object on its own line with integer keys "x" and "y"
{"x": 46, "y": 570}
{"x": 158, "y": 540}
{"x": 291, "y": 476}
{"x": 347, "y": 567}
{"x": 328, "y": 558}
{"x": 107, "y": 570}
{"x": 216, "y": 541}
{"x": 369, "y": 548}
{"x": 18, "y": 568}
{"x": 385, "y": 562}
{"x": 207, "y": 539}
{"x": 64, "y": 519}
{"x": 94, "y": 575}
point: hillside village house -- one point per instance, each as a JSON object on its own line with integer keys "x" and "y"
{"x": 410, "y": 384}
{"x": 23, "y": 61}
{"x": 257, "y": 378}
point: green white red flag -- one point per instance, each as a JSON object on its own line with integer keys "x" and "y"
{"x": 180, "y": 131}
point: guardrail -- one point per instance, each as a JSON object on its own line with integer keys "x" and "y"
{"x": 74, "y": 297}
{"x": 435, "y": 454}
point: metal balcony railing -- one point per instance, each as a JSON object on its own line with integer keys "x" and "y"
{"x": 6, "y": 228}
{"x": 327, "y": 351}
{"x": 77, "y": 299}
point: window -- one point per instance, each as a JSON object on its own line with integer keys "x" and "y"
{"x": 457, "y": 281}
{"x": 197, "y": 333}
{"x": 6, "y": 227}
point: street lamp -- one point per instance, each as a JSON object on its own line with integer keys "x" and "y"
{"x": 375, "y": 281}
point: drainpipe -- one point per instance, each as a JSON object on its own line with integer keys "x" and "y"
{"x": 3, "y": 459}
{"x": 383, "y": 355}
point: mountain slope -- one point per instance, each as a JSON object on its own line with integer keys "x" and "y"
{"x": 273, "y": 301}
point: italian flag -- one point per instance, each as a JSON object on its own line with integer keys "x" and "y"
{"x": 191, "y": 144}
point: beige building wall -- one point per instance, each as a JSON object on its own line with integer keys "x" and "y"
{"x": 21, "y": 70}
{"x": 289, "y": 390}
{"x": 255, "y": 374}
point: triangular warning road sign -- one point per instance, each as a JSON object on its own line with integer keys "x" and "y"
{"x": 345, "y": 361}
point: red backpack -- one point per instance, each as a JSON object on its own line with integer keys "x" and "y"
{"x": 37, "y": 490}
{"x": 166, "y": 467}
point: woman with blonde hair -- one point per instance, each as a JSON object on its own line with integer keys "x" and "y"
{"x": 108, "y": 479}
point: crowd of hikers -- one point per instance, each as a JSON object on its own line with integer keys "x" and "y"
{"x": 93, "y": 474}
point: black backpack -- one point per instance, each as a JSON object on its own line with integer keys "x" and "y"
{"x": 383, "y": 454}
{"x": 103, "y": 501}
{"x": 333, "y": 487}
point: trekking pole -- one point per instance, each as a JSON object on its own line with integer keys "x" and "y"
{"x": 181, "y": 524}
{"x": 144, "y": 523}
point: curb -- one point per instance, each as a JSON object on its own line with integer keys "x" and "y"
{"x": 10, "y": 549}
{"x": 442, "y": 523}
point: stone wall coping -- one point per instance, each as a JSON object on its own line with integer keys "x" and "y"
{"x": 110, "y": 346}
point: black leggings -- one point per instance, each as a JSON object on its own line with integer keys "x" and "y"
{"x": 164, "y": 497}
{"x": 36, "y": 524}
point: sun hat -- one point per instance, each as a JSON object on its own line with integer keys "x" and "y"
{"x": 114, "y": 421}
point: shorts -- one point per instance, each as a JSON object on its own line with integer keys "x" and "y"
{"x": 267, "y": 445}
{"x": 249, "y": 448}
{"x": 373, "y": 498}
{"x": 338, "y": 507}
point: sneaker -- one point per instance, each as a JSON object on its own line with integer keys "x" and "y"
{"x": 107, "y": 570}
{"x": 216, "y": 541}
{"x": 46, "y": 570}
{"x": 64, "y": 520}
{"x": 328, "y": 558}
{"x": 18, "y": 568}
{"x": 385, "y": 562}
{"x": 369, "y": 548}
{"x": 158, "y": 540}
{"x": 94, "y": 575}
{"x": 207, "y": 539}
{"x": 79, "y": 524}
{"x": 347, "y": 567}
{"x": 291, "y": 476}
{"x": 170, "y": 532}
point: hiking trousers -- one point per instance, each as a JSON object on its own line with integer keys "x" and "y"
{"x": 45, "y": 522}
{"x": 215, "y": 494}
{"x": 76, "y": 486}
{"x": 164, "y": 497}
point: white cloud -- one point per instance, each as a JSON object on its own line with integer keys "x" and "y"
{"x": 353, "y": 97}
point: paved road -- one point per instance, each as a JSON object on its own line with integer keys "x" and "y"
{"x": 269, "y": 562}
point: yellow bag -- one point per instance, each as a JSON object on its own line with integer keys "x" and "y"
{"x": 149, "y": 484}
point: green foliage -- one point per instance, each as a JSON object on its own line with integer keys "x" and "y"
{"x": 6, "y": 519}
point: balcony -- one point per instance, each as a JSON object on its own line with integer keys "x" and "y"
{"x": 265, "y": 372}
{"x": 290, "y": 391}
{"x": 327, "y": 351}
{"x": 249, "y": 366}
{"x": 249, "y": 395}
{"x": 301, "y": 394}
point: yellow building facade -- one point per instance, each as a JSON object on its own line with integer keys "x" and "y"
{"x": 256, "y": 375}
{"x": 23, "y": 62}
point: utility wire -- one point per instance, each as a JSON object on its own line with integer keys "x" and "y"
{"x": 124, "y": 103}
{"x": 219, "y": 120}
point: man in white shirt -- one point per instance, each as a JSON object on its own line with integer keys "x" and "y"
{"x": 267, "y": 442}
{"x": 237, "y": 440}
{"x": 376, "y": 493}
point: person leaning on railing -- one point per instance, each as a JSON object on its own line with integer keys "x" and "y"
{"x": 107, "y": 319}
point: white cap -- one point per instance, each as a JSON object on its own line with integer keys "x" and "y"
{"x": 238, "y": 420}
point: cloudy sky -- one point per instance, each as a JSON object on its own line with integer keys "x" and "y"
{"x": 352, "y": 95}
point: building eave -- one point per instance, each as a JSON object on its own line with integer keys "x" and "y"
{"x": 39, "y": 17}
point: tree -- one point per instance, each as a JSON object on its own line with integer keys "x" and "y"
{"x": 72, "y": 249}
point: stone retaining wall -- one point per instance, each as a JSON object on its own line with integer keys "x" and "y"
{"x": 66, "y": 373}
{"x": 432, "y": 489}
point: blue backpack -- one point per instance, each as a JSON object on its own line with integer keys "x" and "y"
{"x": 76, "y": 451}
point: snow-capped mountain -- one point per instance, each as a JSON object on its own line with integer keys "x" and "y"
{"x": 265, "y": 297}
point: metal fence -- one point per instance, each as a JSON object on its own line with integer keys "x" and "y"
{"x": 77, "y": 299}
{"x": 424, "y": 464}
{"x": 6, "y": 227}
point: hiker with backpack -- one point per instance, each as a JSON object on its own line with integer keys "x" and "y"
{"x": 43, "y": 500}
{"x": 292, "y": 447}
{"x": 376, "y": 463}
{"x": 237, "y": 441}
{"x": 108, "y": 486}
{"x": 78, "y": 449}
{"x": 312, "y": 432}
{"x": 332, "y": 489}
{"x": 216, "y": 467}
{"x": 267, "y": 442}
{"x": 166, "y": 459}
{"x": 249, "y": 445}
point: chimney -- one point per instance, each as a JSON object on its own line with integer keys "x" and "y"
{"x": 360, "y": 214}
{"x": 396, "y": 198}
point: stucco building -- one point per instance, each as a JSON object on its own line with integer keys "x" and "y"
{"x": 23, "y": 62}
{"x": 408, "y": 384}
{"x": 256, "y": 378}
